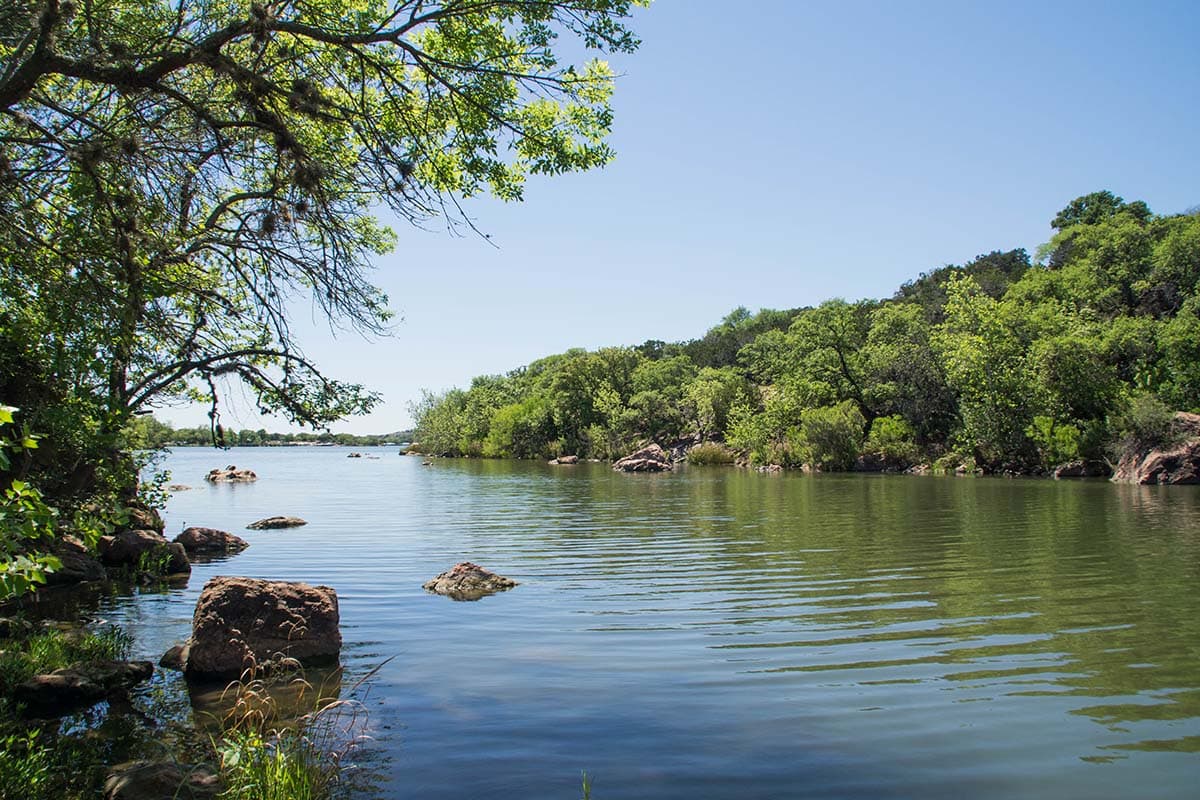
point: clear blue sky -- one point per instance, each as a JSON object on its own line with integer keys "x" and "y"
{"x": 777, "y": 154}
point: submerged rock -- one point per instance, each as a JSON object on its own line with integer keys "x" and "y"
{"x": 231, "y": 474}
{"x": 271, "y": 523}
{"x": 210, "y": 540}
{"x": 79, "y": 686}
{"x": 467, "y": 581}
{"x": 650, "y": 458}
{"x": 243, "y": 623}
{"x": 149, "y": 780}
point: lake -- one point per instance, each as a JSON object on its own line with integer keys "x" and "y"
{"x": 718, "y": 633}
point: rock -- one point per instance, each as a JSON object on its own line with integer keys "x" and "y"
{"x": 650, "y": 458}
{"x": 241, "y": 623}
{"x": 230, "y": 474}
{"x": 210, "y": 540}
{"x": 79, "y": 686}
{"x": 136, "y": 549}
{"x": 179, "y": 487}
{"x": 354, "y": 455}
{"x": 147, "y": 780}
{"x": 146, "y": 519}
{"x": 1082, "y": 469}
{"x": 270, "y": 523}
{"x": 467, "y": 581}
{"x": 175, "y": 658}
{"x": 78, "y": 563}
{"x": 14, "y": 627}
{"x": 770, "y": 468}
{"x": 565, "y": 460}
{"x": 1172, "y": 464}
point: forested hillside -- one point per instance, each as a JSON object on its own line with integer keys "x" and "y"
{"x": 1003, "y": 364}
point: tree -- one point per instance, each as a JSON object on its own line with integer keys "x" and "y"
{"x": 175, "y": 176}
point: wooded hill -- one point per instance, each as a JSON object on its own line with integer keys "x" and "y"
{"x": 1002, "y": 364}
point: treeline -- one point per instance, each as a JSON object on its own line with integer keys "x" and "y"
{"x": 148, "y": 433}
{"x": 1001, "y": 364}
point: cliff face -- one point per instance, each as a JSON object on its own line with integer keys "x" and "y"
{"x": 1175, "y": 464}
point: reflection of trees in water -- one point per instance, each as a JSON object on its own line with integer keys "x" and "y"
{"x": 1007, "y": 588}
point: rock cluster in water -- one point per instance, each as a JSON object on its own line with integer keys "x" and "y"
{"x": 231, "y": 474}
{"x": 650, "y": 458}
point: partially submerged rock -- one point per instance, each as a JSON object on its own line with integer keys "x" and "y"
{"x": 231, "y": 474}
{"x": 1172, "y": 464}
{"x": 467, "y": 581}
{"x": 244, "y": 623}
{"x": 1082, "y": 469}
{"x": 210, "y": 541}
{"x": 271, "y": 523}
{"x": 79, "y": 686}
{"x": 650, "y": 458}
{"x": 179, "y": 487}
{"x": 175, "y": 658}
{"x": 150, "y": 780}
{"x": 143, "y": 549}
{"x": 565, "y": 460}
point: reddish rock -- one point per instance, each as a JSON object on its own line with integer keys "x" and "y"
{"x": 467, "y": 581}
{"x": 210, "y": 540}
{"x": 129, "y": 548}
{"x": 650, "y": 458}
{"x": 565, "y": 460}
{"x": 1175, "y": 464}
{"x": 241, "y": 623}
{"x": 78, "y": 563}
{"x": 231, "y": 474}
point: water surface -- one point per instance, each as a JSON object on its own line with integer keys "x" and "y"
{"x": 715, "y": 633}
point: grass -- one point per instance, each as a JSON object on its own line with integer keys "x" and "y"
{"x": 49, "y": 650}
{"x": 26, "y": 767}
{"x": 264, "y": 756}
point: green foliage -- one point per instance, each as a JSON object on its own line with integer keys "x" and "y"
{"x": 286, "y": 767}
{"x": 999, "y": 364}
{"x": 1056, "y": 443}
{"x": 831, "y": 436}
{"x": 710, "y": 453}
{"x": 26, "y": 767}
{"x": 25, "y": 518}
{"x": 892, "y": 441}
{"x": 53, "y": 649}
{"x": 1145, "y": 422}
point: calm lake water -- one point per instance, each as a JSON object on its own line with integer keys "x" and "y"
{"x": 716, "y": 633}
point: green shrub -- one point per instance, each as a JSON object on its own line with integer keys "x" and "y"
{"x": 1146, "y": 422}
{"x": 831, "y": 435}
{"x": 1056, "y": 443}
{"x": 710, "y": 453}
{"x": 893, "y": 441}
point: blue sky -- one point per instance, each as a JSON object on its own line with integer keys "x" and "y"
{"x": 778, "y": 154}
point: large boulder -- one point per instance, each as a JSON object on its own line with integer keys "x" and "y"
{"x": 65, "y": 690}
{"x": 142, "y": 550}
{"x": 209, "y": 541}
{"x": 231, "y": 474}
{"x": 244, "y": 623}
{"x": 650, "y": 458}
{"x": 151, "y": 780}
{"x": 467, "y": 581}
{"x": 78, "y": 564}
{"x": 271, "y": 523}
{"x": 1178, "y": 463}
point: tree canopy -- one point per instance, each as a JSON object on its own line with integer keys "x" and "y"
{"x": 177, "y": 177}
{"x": 1000, "y": 363}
